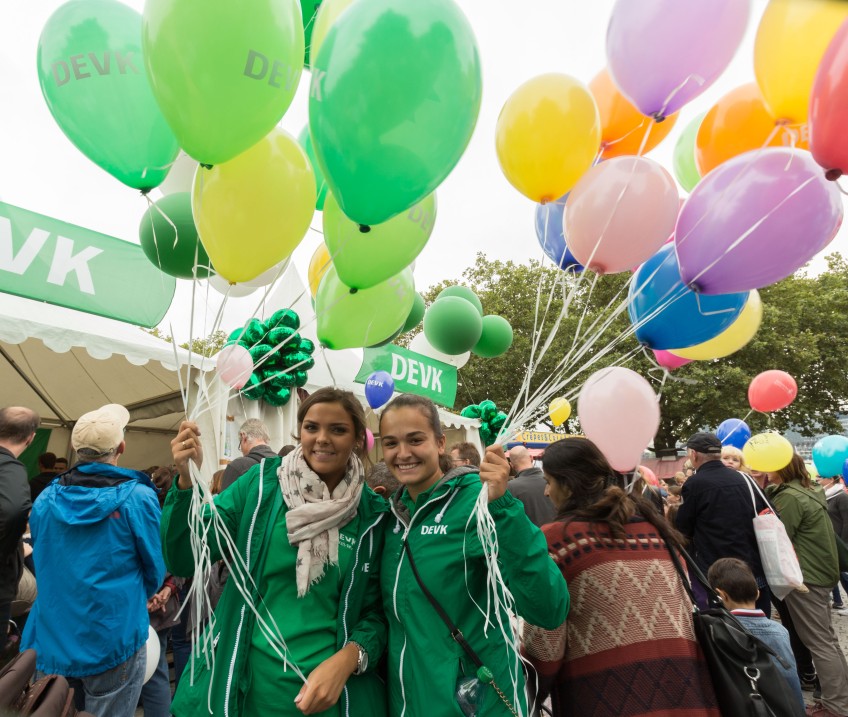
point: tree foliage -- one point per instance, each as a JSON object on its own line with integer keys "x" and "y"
{"x": 804, "y": 332}
{"x": 208, "y": 346}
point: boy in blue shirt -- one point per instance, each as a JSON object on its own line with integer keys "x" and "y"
{"x": 735, "y": 584}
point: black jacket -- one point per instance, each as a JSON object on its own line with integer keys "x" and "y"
{"x": 717, "y": 514}
{"x": 529, "y": 487}
{"x": 14, "y": 513}
{"x": 237, "y": 468}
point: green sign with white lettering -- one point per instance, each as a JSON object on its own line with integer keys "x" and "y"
{"x": 48, "y": 260}
{"x": 412, "y": 373}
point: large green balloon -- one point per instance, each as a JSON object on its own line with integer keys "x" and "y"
{"x": 169, "y": 238}
{"x": 496, "y": 337}
{"x": 348, "y": 318}
{"x": 223, "y": 72}
{"x": 685, "y": 168}
{"x": 452, "y": 325}
{"x": 305, "y": 141}
{"x": 92, "y": 78}
{"x": 394, "y": 99}
{"x": 415, "y": 314}
{"x": 463, "y": 292}
{"x": 365, "y": 258}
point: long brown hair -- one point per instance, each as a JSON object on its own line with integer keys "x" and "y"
{"x": 796, "y": 470}
{"x": 596, "y": 491}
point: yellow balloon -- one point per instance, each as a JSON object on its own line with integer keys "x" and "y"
{"x": 252, "y": 211}
{"x": 791, "y": 40}
{"x": 559, "y": 411}
{"x": 548, "y": 134}
{"x": 767, "y": 452}
{"x": 327, "y": 15}
{"x": 733, "y": 338}
{"x": 319, "y": 264}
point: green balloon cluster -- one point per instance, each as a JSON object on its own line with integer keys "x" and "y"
{"x": 455, "y": 324}
{"x": 278, "y": 371}
{"x": 492, "y": 421}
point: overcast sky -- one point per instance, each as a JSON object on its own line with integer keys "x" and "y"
{"x": 478, "y": 209}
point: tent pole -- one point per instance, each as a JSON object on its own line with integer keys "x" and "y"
{"x": 64, "y": 421}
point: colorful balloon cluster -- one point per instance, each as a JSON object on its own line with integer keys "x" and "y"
{"x": 281, "y": 356}
{"x": 454, "y": 324}
{"x": 492, "y": 421}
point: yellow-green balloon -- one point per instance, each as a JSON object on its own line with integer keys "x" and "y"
{"x": 348, "y": 318}
{"x": 365, "y": 256}
{"x": 223, "y": 72}
{"x": 395, "y": 93}
{"x": 685, "y": 168}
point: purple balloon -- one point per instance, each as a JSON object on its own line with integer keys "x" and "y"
{"x": 754, "y": 220}
{"x": 664, "y": 53}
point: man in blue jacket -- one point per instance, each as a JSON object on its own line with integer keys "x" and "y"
{"x": 98, "y": 557}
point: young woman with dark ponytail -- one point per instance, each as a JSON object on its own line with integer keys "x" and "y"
{"x": 628, "y": 646}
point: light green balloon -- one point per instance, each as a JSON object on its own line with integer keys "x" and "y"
{"x": 305, "y": 141}
{"x": 365, "y": 256}
{"x": 92, "y": 78}
{"x": 395, "y": 94}
{"x": 223, "y": 72}
{"x": 348, "y": 318}
{"x": 685, "y": 168}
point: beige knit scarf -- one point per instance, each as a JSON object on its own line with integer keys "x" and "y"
{"x": 315, "y": 515}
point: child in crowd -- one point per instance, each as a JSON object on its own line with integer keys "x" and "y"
{"x": 735, "y": 584}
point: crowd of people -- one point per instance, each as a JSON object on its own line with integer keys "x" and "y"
{"x": 338, "y": 587}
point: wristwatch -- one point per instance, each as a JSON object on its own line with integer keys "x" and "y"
{"x": 362, "y": 660}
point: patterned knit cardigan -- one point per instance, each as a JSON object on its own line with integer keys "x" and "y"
{"x": 628, "y": 646}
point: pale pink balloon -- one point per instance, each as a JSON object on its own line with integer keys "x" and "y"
{"x": 619, "y": 412}
{"x": 620, "y": 213}
{"x": 235, "y": 365}
{"x": 668, "y": 360}
{"x": 369, "y": 440}
{"x": 649, "y": 476}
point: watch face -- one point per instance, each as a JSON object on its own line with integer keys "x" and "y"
{"x": 363, "y": 660}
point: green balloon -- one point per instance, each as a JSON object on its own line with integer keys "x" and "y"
{"x": 169, "y": 238}
{"x": 308, "y": 11}
{"x": 92, "y": 78}
{"x": 685, "y": 168}
{"x": 305, "y": 141}
{"x": 388, "y": 340}
{"x": 395, "y": 95}
{"x": 416, "y": 314}
{"x": 463, "y": 292}
{"x": 365, "y": 258}
{"x": 452, "y": 325}
{"x": 222, "y": 72}
{"x": 348, "y": 318}
{"x": 496, "y": 337}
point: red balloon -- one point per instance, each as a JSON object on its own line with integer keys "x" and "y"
{"x": 771, "y": 391}
{"x": 829, "y": 108}
{"x": 649, "y": 476}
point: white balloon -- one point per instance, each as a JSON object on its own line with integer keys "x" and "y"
{"x": 234, "y": 291}
{"x": 153, "y": 649}
{"x": 420, "y": 345}
{"x": 266, "y": 277}
{"x": 181, "y": 176}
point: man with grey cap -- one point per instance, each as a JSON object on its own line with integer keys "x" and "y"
{"x": 95, "y": 533}
{"x": 717, "y": 515}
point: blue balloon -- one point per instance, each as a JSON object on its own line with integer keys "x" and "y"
{"x": 845, "y": 470}
{"x": 829, "y": 455}
{"x": 733, "y": 432}
{"x": 379, "y": 387}
{"x": 667, "y": 314}
{"x": 550, "y": 236}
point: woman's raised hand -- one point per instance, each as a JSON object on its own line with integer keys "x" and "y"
{"x": 184, "y": 448}
{"x": 494, "y": 472}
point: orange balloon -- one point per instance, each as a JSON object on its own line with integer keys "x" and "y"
{"x": 739, "y": 122}
{"x": 623, "y": 127}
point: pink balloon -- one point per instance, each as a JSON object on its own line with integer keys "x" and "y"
{"x": 369, "y": 440}
{"x": 607, "y": 220}
{"x": 649, "y": 476}
{"x": 668, "y": 360}
{"x": 235, "y": 365}
{"x": 620, "y": 414}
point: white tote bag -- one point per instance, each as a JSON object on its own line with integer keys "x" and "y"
{"x": 777, "y": 554}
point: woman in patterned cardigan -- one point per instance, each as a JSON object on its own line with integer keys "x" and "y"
{"x": 628, "y": 646}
